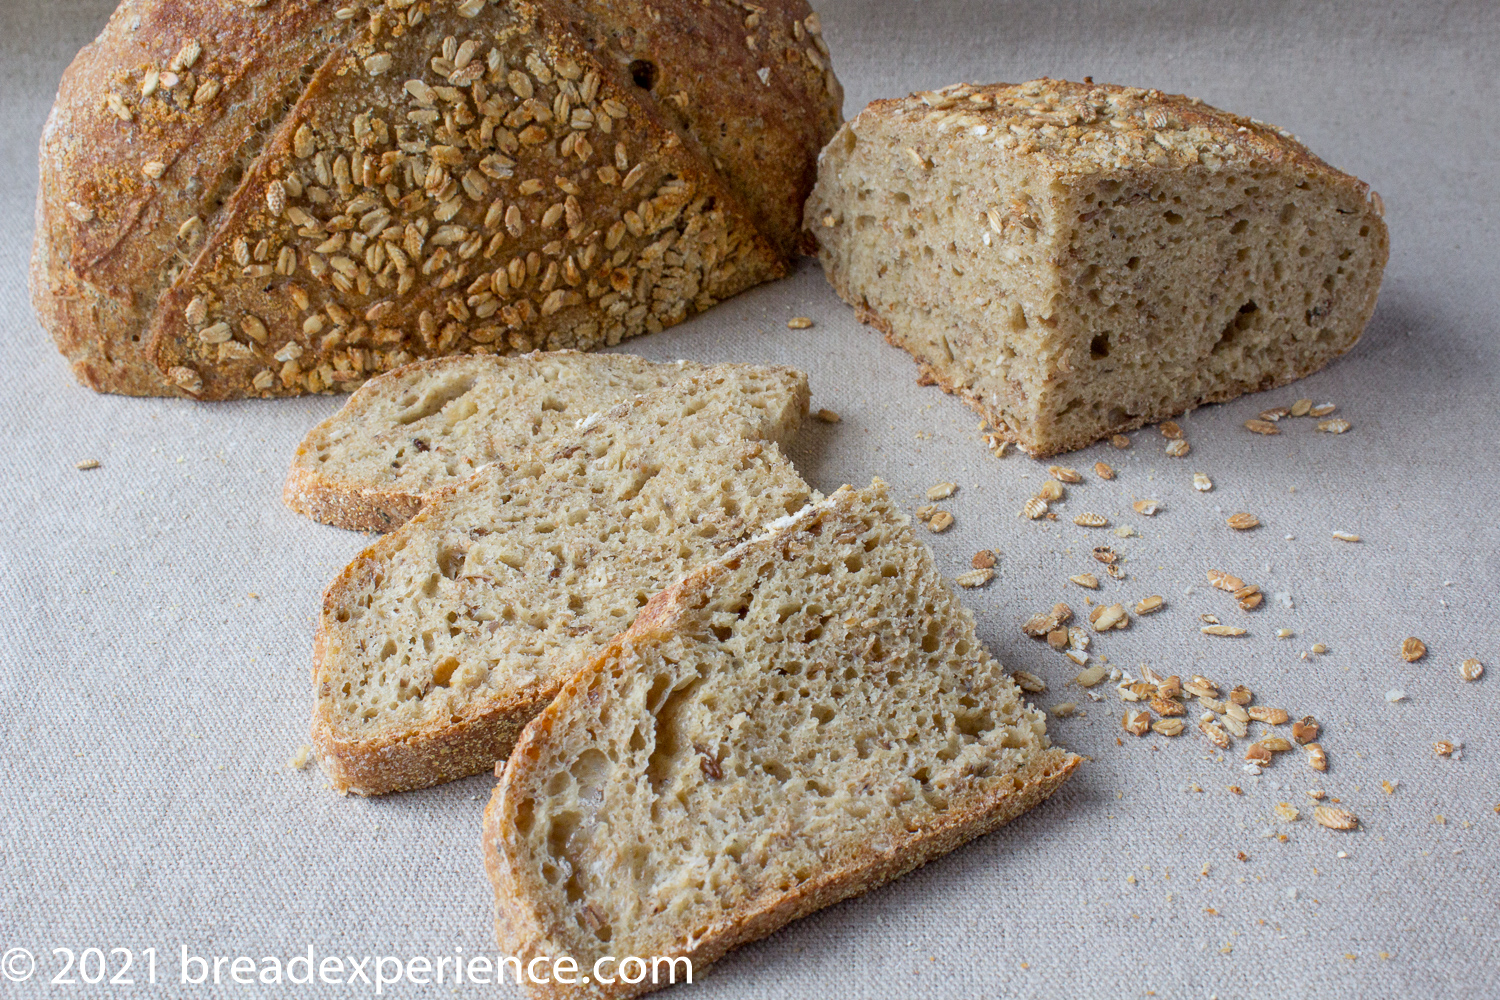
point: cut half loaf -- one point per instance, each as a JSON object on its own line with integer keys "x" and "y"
{"x": 443, "y": 639}
{"x": 413, "y": 431}
{"x": 1078, "y": 260}
{"x": 794, "y": 723}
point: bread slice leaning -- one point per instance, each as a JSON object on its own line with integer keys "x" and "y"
{"x": 792, "y": 724}
{"x": 413, "y": 431}
{"x": 443, "y": 639}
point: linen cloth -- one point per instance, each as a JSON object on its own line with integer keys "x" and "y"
{"x": 158, "y": 611}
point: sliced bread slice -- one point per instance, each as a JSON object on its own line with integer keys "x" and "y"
{"x": 800, "y": 720}
{"x": 442, "y": 640}
{"x": 413, "y": 431}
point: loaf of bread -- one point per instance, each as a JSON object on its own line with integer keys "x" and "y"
{"x": 439, "y": 642}
{"x": 796, "y": 722}
{"x": 1076, "y": 260}
{"x": 408, "y": 433}
{"x": 267, "y": 198}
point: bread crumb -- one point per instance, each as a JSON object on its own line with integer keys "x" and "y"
{"x": 299, "y": 760}
{"x": 827, "y": 416}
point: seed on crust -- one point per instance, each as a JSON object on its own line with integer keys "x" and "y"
{"x": 1335, "y": 819}
{"x": 1243, "y": 521}
{"x": 1088, "y": 580}
{"x": 1262, "y": 427}
{"x": 1471, "y": 669}
{"x": 1091, "y": 520}
{"x": 941, "y": 491}
{"x": 1412, "y": 649}
{"x": 1104, "y": 471}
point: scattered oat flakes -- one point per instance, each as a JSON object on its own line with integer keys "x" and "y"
{"x": 1284, "y": 633}
{"x": 1088, "y": 580}
{"x": 86, "y": 464}
{"x": 984, "y": 559}
{"x": 1168, "y": 726}
{"x": 299, "y": 760}
{"x": 1065, "y": 474}
{"x": 799, "y": 323}
{"x": 1038, "y": 625}
{"x": 1170, "y": 430}
{"x": 1091, "y": 520}
{"x": 1257, "y": 754}
{"x": 1412, "y": 649}
{"x": 1202, "y": 483}
{"x": 1065, "y": 709}
{"x": 1112, "y": 616}
{"x": 1120, "y": 441}
{"x": 941, "y": 491}
{"x": 1051, "y": 490}
{"x": 1317, "y": 794}
{"x": 1090, "y": 676}
{"x": 1262, "y": 427}
{"x": 1149, "y": 604}
{"x": 1078, "y": 637}
{"x": 827, "y": 416}
{"x": 1287, "y": 812}
{"x": 1223, "y": 581}
{"x": 1317, "y": 757}
{"x": 1215, "y": 735}
{"x": 1125, "y": 531}
{"x": 1105, "y": 554}
{"x": 1104, "y": 471}
{"x": 1389, "y": 787}
{"x": 1335, "y": 819}
{"x": 1319, "y": 648}
{"x": 1028, "y": 682}
{"x": 1321, "y": 410}
{"x": 1333, "y": 426}
{"x": 1241, "y": 695}
{"x": 1243, "y": 521}
{"x": 1346, "y": 536}
{"x": 1471, "y": 669}
{"x": 1394, "y": 695}
{"x": 974, "y": 578}
{"x": 1305, "y": 729}
{"x": 1137, "y": 723}
{"x": 1147, "y": 508}
{"x": 1035, "y": 508}
{"x": 941, "y": 521}
{"x": 1301, "y": 407}
{"x": 1222, "y": 630}
{"x": 1178, "y": 449}
{"x": 1270, "y": 716}
{"x": 1275, "y": 413}
{"x": 1058, "y": 639}
{"x": 1444, "y": 748}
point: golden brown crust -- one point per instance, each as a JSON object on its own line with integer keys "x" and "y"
{"x": 144, "y": 198}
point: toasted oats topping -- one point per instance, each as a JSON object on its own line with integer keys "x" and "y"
{"x": 1317, "y": 757}
{"x": 1335, "y": 819}
{"x": 1262, "y": 427}
{"x": 974, "y": 578}
{"x": 1243, "y": 521}
{"x": 1412, "y": 649}
{"x": 1088, "y": 580}
{"x": 1104, "y": 471}
{"x": 1148, "y": 508}
{"x": 1120, "y": 441}
{"x": 1333, "y": 426}
{"x": 1224, "y": 581}
{"x": 1202, "y": 483}
{"x": 1090, "y": 676}
{"x": 1170, "y": 430}
{"x": 984, "y": 559}
{"x": 1178, "y": 449}
{"x": 1064, "y": 474}
{"x": 1471, "y": 669}
{"x": 1091, "y": 520}
{"x": 1039, "y": 624}
{"x": 941, "y": 521}
{"x": 1028, "y": 682}
{"x": 1222, "y": 630}
{"x": 799, "y": 323}
{"x": 828, "y": 416}
{"x": 1147, "y": 605}
{"x": 941, "y": 491}
{"x": 1035, "y": 508}
{"x": 1346, "y": 536}
{"x": 1301, "y": 407}
{"x": 1137, "y": 723}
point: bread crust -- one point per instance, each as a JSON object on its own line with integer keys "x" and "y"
{"x": 522, "y": 930}
{"x": 142, "y": 199}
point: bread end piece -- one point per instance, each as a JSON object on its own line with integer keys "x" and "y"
{"x": 1076, "y": 261}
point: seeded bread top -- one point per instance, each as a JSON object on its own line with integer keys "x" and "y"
{"x": 1084, "y": 128}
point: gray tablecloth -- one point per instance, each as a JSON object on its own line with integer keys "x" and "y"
{"x": 157, "y": 612}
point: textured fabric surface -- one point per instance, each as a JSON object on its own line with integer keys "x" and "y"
{"x": 149, "y": 703}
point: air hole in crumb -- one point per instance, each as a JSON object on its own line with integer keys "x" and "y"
{"x": 1099, "y": 347}
{"x": 643, "y": 72}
